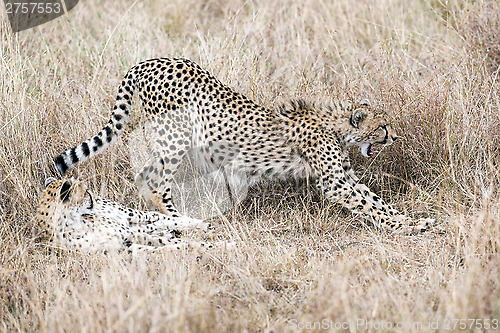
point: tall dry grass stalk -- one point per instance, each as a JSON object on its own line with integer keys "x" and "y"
{"x": 433, "y": 65}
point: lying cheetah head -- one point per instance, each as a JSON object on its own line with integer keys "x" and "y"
{"x": 68, "y": 192}
{"x": 57, "y": 197}
{"x": 368, "y": 126}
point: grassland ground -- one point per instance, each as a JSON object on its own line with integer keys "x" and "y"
{"x": 300, "y": 262}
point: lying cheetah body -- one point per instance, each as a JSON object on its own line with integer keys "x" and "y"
{"x": 72, "y": 217}
{"x": 190, "y": 110}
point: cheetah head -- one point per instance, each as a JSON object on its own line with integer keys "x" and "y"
{"x": 70, "y": 192}
{"x": 59, "y": 198}
{"x": 368, "y": 126}
{"x": 60, "y": 195}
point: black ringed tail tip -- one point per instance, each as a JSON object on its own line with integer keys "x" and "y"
{"x": 61, "y": 165}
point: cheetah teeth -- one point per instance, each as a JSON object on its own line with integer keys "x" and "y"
{"x": 371, "y": 151}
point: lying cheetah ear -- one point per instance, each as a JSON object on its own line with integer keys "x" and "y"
{"x": 65, "y": 191}
{"x": 91, "y": 200}
{"x": 357, "y": 116}
{"x": 49, "y": 181}
{"x": 364, "y": 102}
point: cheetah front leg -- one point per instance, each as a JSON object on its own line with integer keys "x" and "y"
{"x": 341, "y": 187}
{"x": 418, "y": 225}
{"x": 174, "y": 244}
{"x": 146, "y": 221}
{"x": 155, "y": 221}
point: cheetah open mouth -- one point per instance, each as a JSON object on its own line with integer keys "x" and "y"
{"x": 366, "y": 149}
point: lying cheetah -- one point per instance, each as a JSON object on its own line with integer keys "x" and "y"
{"x": 71, "y": 216}
{"x": 190, "y": 109}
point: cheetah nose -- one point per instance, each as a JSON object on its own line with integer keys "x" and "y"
{"x": 394, "y": 137}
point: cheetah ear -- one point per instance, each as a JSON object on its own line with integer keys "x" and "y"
{"x": 364, "y": 102}
{"x": 49, "y": 181}
{"x": 91, "y": 200}
{"x": 65, "y": 191}
{"x": 357, "y": 116}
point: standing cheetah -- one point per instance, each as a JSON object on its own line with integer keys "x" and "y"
{"x": 190, "y": 108}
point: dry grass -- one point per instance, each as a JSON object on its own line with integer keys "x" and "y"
{"x": 433, "y": 64}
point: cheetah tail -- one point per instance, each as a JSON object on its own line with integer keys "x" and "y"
{"x": 108, "y": 134}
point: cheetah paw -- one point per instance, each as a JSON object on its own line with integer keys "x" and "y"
{"x": 192, "y": 223}
{"x": 422, "y": 225}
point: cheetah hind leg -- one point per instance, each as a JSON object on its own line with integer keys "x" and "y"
{"x": 172, "y": 132}
{"x": 150, "y": 185}
{"x": 154, "y": 182}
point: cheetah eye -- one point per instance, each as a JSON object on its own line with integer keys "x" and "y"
{"x": 357, "y": 117}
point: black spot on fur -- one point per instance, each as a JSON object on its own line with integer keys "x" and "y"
{"x": 108, "y": 131}
{"x": 97, "y": 142}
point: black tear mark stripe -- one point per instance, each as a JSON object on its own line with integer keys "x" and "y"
{"x": 65, "y": 191}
